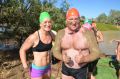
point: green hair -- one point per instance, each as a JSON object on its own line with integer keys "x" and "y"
{"x": 43, "y": 16}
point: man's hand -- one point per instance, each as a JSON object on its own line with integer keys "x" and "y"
{"x": 66, "y": 59}
{"x": 79, "y": 59}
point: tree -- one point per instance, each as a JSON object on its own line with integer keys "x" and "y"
{"x": 102, "y": 18}
{"x": 21, "y": 16}
{"x": 113, "y": 15}
{"x": 117, "y": 21}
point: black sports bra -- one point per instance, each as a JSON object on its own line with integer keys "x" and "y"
{"x": 41, "y": 46}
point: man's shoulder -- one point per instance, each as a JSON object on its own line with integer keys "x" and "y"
{"x": 84, "y": 30}
{"x": 61, "y": 31}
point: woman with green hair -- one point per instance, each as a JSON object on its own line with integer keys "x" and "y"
{"x": 41, "y": 43}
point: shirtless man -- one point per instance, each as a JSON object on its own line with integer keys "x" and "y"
{"x": 75, "y": 47}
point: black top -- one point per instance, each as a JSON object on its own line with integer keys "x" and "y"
{"x": 42, "y": 46}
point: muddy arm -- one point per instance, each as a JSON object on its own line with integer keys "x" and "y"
{"x": 57, "y": 45}
{"x": 94, "y": 48}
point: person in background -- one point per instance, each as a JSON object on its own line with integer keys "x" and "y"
{"x": 97, "y": 32}
{"x": 87, "y": 25}
{"x": 41, "y": 43}
{"x": 91, "y": 65}
{"x": 93, "y": 23}
{"x": 75, "y": 47}
{"x": 92, "y": 27}
{"x": 117, "y": 51}
{"x": 118, "y": 58}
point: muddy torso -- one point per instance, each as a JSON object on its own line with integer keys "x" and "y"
{"x": 73, "y": 45}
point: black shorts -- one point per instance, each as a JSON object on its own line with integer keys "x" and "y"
{"x": 80, "y": 73}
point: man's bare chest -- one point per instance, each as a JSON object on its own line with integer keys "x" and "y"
{"x": 76, "y": 41}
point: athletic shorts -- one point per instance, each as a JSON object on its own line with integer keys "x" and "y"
{"x": 80, "y": 73}
{"x": 38, "y": 71}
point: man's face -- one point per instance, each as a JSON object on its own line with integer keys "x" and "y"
{"x": 73, "y": 22}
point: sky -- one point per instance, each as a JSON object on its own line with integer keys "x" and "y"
{"x": 93, "y": 8}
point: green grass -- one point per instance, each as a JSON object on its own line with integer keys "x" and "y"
{"x": 106, "y": 27}
{"x": 104, "y": 71}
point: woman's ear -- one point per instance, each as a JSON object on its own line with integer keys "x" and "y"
{"x": 40, "y": 24}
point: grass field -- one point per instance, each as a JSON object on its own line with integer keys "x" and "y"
{"x": 104, "y": 71}
{"x": 106, "y": 27}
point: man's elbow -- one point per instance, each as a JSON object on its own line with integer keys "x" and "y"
{"x": 55, "y": 55}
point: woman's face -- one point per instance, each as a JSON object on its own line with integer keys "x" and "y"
{"x": 73, "y": 22}
{"x": 46, "y": 24}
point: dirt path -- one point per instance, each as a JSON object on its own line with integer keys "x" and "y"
{"x": 11, "y": 68}
{"x": 14, "y": 70}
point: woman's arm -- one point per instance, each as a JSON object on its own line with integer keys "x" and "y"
{"x": 23, "y": 50}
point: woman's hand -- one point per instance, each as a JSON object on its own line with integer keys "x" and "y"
{"x": 26, "y": 73}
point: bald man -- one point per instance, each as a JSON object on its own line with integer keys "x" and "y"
{"x": 75, "y": 47}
